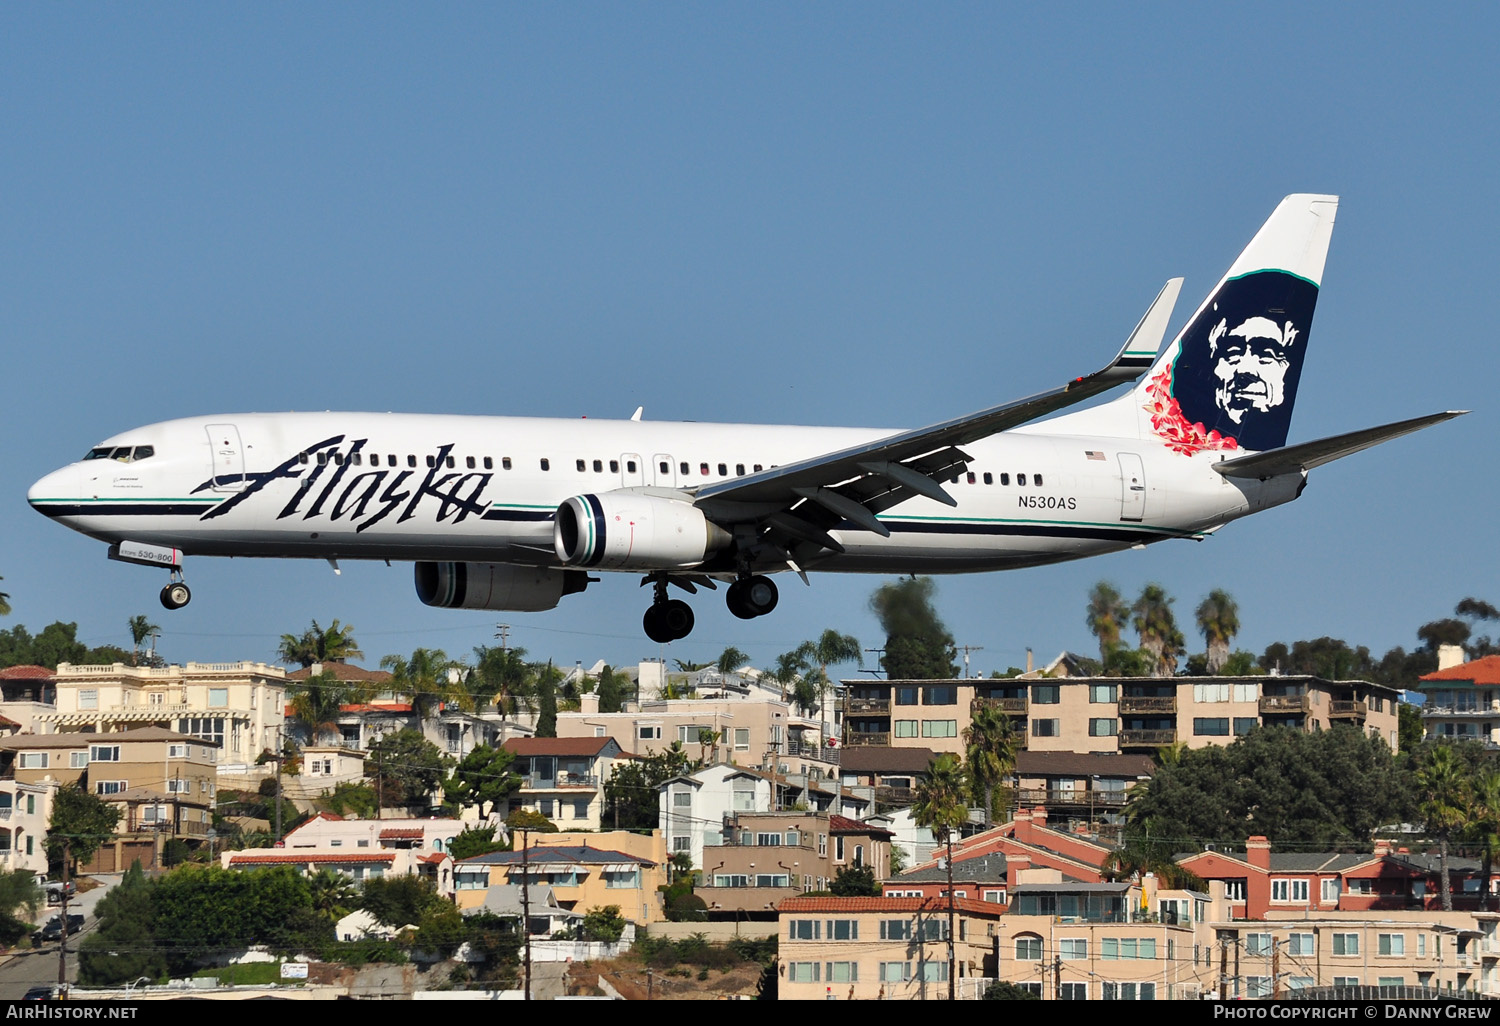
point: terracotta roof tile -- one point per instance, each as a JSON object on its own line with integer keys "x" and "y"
{"x": 401, "y": 834}
{"x": 1481, "y": 673}
{"x": 343, "y": 671}
{"x": 26, "y": 672}
{"x": 288, "y": 859}
{"x": 574, "y": 746}
{"x": 844, "y": 825}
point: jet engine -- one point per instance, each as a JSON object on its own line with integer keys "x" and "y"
{"x": 526, "y": 589}
{"x": 631, "y": 531}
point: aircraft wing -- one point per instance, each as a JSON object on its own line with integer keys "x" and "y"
{"x": 1294, "y": 459}
{"x": 800, "y": 501}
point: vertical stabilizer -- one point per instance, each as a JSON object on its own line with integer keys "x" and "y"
{"x": 1229, "y": 380}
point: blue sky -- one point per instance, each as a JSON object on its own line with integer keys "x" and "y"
{"x": 830, "y": 214}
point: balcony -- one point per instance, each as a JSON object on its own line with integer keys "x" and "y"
{"x": 562, "y": 780}
{"x": 1348, "y": 711}
{"x": 1148, "y": 705}
{"x": 1146, "y": 738}
{"x": 1009, "y": 706}
{"x": 881, "y": 738}
{"x": 1077, "y": 798}
{"x": 812, "y": 750}
{"x": 895, "y": 795}
{"x": 867, "y": 706}
{"x": 1285, "y": 705}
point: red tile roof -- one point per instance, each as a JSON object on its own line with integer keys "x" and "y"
{"x": 972, "y": 906}
{"x": 288, "y": 859}
{"x": 343, "y": 671}
{"x": 1481, "y": 672}
{"x": 574, "y": 746}
{"x": 844, "y": 825}
{"x": 401, "y": 834}
{"x": 27, "y": 672}
{"x": 378, "y": 707}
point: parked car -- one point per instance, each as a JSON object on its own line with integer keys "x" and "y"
{"x": 52, "y": 931}
{"x": 40, "y": 994}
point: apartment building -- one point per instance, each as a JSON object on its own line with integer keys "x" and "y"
{"x": 697, "y": 808}
{"x": 563, "y": 778}
{"x": 239, "y": 708}
{"x": 24, "y": 813}
{"x": 164, "y": 783}
{"x": 850, "y": 949}
{"x": 1111, "y": 714}
{"x": 1462, "y": 699}
{"x": 1080, "y": 790}
{"x": 767, "y": 857}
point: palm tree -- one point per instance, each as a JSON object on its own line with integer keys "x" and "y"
{"x": 730, "y": 660}
{"x": 507, "y": 678}
{"x": 333, "y": 896}
{"x": 1443, "y": 802}
{"x": 1219, "y": 620}
{"x": 688, "y": 666}
{"x": 941, "y": 806}
{"x": 1158, "y": 629}
{"x": 1107, "y": 616}
{"x": 316, "y": 703}
{"x": 831, "y": 649}
{"x": 423, "y": 679}
{"x": 4, "y": 602}
{"x": 992, "y": 747}
{"x": 1484, "y": 825}
{"x": 315, "y": 645}
{"x": 140, "y": 630}
{"x": 790, "y": 666}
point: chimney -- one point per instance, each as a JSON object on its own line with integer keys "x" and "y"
{"x": 1258, "y": 852}
{"x": 1028, "y": 660}
{"x": 1382, "y": 848}
{"x": 1022, "y": 819}
{"x": 1039, "y": 816}
{"x": 1450, "y": 656}
{"x": 588, "y": 704}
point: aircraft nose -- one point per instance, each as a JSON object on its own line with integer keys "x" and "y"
{"x": 56, "y": 489}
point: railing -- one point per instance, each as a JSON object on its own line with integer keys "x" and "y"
{"x": 561, "y": 780}
{"x": 1058, "y": 796}
{"x": 882, "y": 738}
{"x": 1341, "y": 710}
{"x": 818, "y": 753}
{"x": 895, "y": 795}
{"x": 6, "y": 812}
{"x": 1147, "y": 737}
{"x": 1012, "y": 706}
{"x": 864, "y": 706}
{"x": 1147, "y": 704}
{"x": 1284, "y": 704}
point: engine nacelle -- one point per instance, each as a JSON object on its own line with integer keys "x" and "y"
{"x": 524, "y": 589}
{"x": 632, "y": 531}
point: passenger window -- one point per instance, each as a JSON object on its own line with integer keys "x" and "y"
{"x": 449, "y": 461}
{"x": 989, "y": 478}
{"x": 739, "y": 469}
{"x": 684, "y": 467}
{"x": 703, "y": 469}
{"x": 1005, "y": 479}
{"x": 322, "y": 458}
{"x": 489, "y": 463}
{"x": 1036, "y": 479}
{"x": 1021, "y": 479}
{"x": 505, "y": 462}
{"x": 614, "y": 466}
{"x": 723, "y": 470}
{"x": 757, "y": 468}
{"x": 302, "y": 458}
{"x": 953, "y": 479}
{"x": 432, "y": 461}
{"x": 546, "y": 463}
{"x": 598, "y": 466}
{"x": 630, "y": 466}
{"x": 971, "y": 477}
{"x": 662, "y": 467}
{"x": 581, "y": 465}
{"x": 469, "y": 462}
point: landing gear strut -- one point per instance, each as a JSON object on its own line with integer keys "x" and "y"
{"x": 752, "y": 596}
{"x": 176, "y": 594}
{"x": 667, "y": 619}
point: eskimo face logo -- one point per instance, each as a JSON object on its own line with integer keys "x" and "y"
{"x": 1234, "y": 378}
{"x": 1250, "y": 365}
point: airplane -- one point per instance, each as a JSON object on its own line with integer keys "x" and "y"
{"x": 506, "y": 513}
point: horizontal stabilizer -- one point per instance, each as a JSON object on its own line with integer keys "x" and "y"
{"x": 1294, "y": 459}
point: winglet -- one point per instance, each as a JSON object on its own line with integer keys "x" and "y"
{"x": 1140, "y": 349}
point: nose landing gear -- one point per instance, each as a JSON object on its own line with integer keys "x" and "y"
{"x": 667, "y": 619}
{"x": 176, "y": 594}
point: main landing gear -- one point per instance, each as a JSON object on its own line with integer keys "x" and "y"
{"x": 176, "y": 594}
{"x": 667, "y": 619}
{"x": 750, "y": 597}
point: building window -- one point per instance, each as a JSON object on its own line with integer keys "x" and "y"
{"x": 744, "y": 799}
{"x": 649, "y": 733}
{"x": 802, "y": 972}
{"x": 1103, "y": 727}
{"x": 1207, "y": 726}
{"x": 1257, "y": 986}
{"x": 741, "y": 739}
{"x": 1331, "y": 890}
{"x": 1301, "y": 944}
{"x": 1257, "y": 943}
{"x": 842, "y": 972}
{"x": 907, "y": 695}
{"x": 1028, "y": 949}
{"x": 1102, "y": 693}
{"x": 1234, "y": 889}
{"x": 1244, "y": 725}
{"x": 111, "y": 786}
{"x": 1346, "y": 944}
{"x": 935, "y": 972}
{"x": 895, "y": 972}
{"x": 944, "y": 694}
{"x": 682, "y": 799}
{"x": 895, "y": 929}
{"x": 1046, "y": 694}
{"x": 34, "y": 760}
{"x": 906, "y": 728}
{"x": 1044, "y": 728}
{"x": 940, "y": 728}
{"x": 1128, "y": 991}
{"x": 78, "y": 760}
{"x": 1073, "y": 947}
{"x": 1074, "y": 992}
{"x": 843, "y": 929}
{"x": 88, "y": 698}
{"x": 218, "y": 698}
{"x": 1289, "y": 891}
{"x": 177, "y": 751}
{"x": 805, "y": 929}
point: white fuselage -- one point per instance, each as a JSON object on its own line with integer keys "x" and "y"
{"x": 484, "y": 489}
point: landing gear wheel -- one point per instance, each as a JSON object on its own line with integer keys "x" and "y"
{"x": 735, "y": 599}
{"x": 176, "y": 595}
{"x": 677, "y": 615}
{"x": 655, "y": 629}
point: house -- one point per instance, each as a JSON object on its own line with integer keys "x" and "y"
{"x": 1080, "y": 790}
{"x": 883, "y": 948}
{"x": 358, "y": 866}
{"x": 1027, "y": 842}
{"x": 767, "y": 857}
{"x": 25, "y": 692}
{"x": 236, "y": 707}
{"x": 545, "y": 916}
{"x": 1462, "y": 699}
{"x": 697, "y": 808}
{"x": 581, "y": 876}
{"x": 163, "y": 782}
{"x": 563, "y": 778}
{"x": 1111, "y": 714}
{"x": 325, "y": 767}
{"x": 886, "y": 776}
{"x": 24, "y": 813}
{"x": 334, "y": 833}
{"x": 985, "y": 878}
{"x": 1260, "y": 882}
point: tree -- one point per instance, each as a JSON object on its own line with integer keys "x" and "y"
{"x": 940, "y": 806}
{"x": 123, "y": 947}
{"x": 315, "y": 704}
{"x": 332, "y": 895}
{"x": 992, "y": 747}
{"x": 731, "y": 660}
{"x": 790, "y": 666}
{"x": 631, "y": 801}
{"x": 831, "y": 649}
{"x": 529, "y": 819}
{"x": 603, "y": 923}
{"x": 4, "y": 602}
{"x": 506, "y": 676}
{"x": 82, "y": 822}
{"x": 1443, "y": 801}
{"x": 19, "y": 892}
{"x": 855, "y": 882}
{"x": 423, "y": 679}
{"x": 140, "y": 630}
{"x": 1000, "y": 990}
{"x": 612, "y": 690}
{"x": 1484, "y": 825}
{"x": 1219, "y": 620}
{"x": 482, "y": 779}
{"x": 475, "y": 841}
{"x": 1158, "y": 629}
{"x": 546, "y": 716}
{"x": 1107, "y": 616}
{"x": 407, "y": 766}
{"x": 917, "y": 644}
{"x": 202, "y": 911}
{"x": 315, "y": 645}
{"x": 1444, "y": 632}
{"x": 400, "y": 900}
{"x": 1409, "y": 729}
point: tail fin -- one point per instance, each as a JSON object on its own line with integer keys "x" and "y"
{"x": 1229, "y": 380}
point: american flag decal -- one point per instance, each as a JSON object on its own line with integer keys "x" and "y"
{"x": 1091, "y": 454}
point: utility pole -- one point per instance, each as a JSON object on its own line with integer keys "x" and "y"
{"x": 967, "y": 649}
{"x": 62, "y": 948}
{"x": 502, "y": 631}
{"x": 526, "y": 904}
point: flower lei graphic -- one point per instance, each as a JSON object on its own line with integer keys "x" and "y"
{"x": 1172, "y": 427}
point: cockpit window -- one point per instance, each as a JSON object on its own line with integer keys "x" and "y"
{"x": 122, "y": 453}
